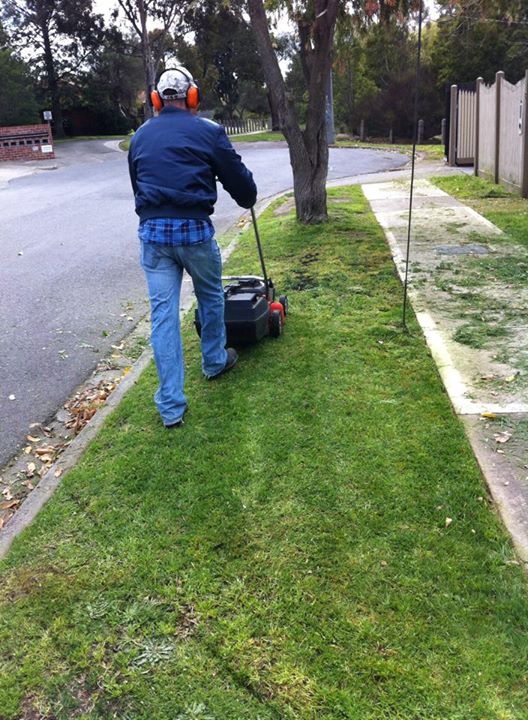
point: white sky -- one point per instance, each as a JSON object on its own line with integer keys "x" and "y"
{"x": 105, "y": 7}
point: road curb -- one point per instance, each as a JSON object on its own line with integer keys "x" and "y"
{"x": 69, "y": 458}
{"x": 509, "y": 493}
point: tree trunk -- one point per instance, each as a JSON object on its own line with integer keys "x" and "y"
{"x": 308, "y": 149}
{"x": 146, "y": 56}
{"x": 58, "y": 129}
{"x": 275, "y": 124}
{"x": 309, "y": 183}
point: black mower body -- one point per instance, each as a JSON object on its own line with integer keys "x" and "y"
{"x": 246, "y": 312}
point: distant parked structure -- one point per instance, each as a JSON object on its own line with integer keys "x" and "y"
{"x": 26, "y": 142}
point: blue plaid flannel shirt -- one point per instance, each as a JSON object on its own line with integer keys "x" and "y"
{"x": 173, "y": 231}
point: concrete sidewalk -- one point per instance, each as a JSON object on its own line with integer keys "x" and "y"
{"x": 457, "y": 287}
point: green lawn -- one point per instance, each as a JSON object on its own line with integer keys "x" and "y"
{"x": 434, "y": 152}
{"x": 285, "y": 555}
{"x": 431, "y": 152}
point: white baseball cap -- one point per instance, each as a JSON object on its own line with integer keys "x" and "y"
{"x": 174, "y": 83}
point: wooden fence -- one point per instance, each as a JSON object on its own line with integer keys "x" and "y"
{"x": 502, "y": 133}
{"x": 241, "y": 127}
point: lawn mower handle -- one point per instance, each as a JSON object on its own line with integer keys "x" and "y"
{"x": 259, "y": 246}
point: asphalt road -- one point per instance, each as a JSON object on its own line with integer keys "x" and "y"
{"x": 70, "y": 279}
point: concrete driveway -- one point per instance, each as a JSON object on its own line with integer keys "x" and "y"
{"x": 70, "y": 283}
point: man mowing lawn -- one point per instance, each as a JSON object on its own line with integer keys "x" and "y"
{"x": 292, "y": 562}
{"x": 174, "y": 160}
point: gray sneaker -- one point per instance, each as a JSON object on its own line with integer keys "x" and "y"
{"x": 232, "y": 357}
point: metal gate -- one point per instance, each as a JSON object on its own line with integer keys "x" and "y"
{"x": 462, "y": 124}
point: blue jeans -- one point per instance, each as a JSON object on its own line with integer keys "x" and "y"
{"x": 164, "y": 266}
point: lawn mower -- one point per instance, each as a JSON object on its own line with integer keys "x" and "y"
{"x": 251, "y": 311}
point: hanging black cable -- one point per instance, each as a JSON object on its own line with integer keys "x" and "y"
{"x": 415, "y": 139}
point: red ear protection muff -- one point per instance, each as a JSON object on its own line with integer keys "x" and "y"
{"x": 156, "y": 101}
{"x": 192, "y": 98}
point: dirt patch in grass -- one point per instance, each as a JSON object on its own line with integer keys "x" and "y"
{"x": 285, "y": 208}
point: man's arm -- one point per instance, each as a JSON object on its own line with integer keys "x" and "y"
{"x": 232, "y": 173}
{"x": 132, "y": 171}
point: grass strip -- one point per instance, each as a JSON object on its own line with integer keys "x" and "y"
{"x": 506, "y": 210}
{"x": 285, "y": 554}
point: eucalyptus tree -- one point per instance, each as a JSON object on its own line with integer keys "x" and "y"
{"x": 18, "y": 105}
{"x": 56, "y": 37}
{"x": 315, "y": 22}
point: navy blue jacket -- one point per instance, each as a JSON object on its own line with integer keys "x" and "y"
{"x": 174, "y": 160}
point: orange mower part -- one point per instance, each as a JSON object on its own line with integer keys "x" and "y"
{"x": 278, "y": 306}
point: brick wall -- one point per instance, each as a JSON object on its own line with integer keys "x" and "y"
{"x": 26, "y": 142}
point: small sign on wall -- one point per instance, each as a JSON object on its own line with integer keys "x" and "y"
{"x": 47, "y": 115}
{"x": 46, "y": 148}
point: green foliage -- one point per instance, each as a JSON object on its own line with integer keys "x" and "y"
{"x": 18, "y": 105}
{"x": 478, "y": 39}
{"x": 374, "y": 73}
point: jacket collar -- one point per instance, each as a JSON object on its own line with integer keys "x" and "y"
{"x": 171, "y": 109}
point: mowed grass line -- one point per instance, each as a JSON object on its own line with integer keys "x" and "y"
{"x": 285, "y": 554}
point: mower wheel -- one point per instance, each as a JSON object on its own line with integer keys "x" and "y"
{"x": 276, "y": 324}
{"x": 283, "y": 299}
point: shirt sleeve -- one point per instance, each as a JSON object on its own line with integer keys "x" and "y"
{"x": 236, "y": 179}
{"x": 132, "y": 171}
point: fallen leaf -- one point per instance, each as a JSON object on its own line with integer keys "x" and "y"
{"x": 489, "y": 415}
{"x": 31, "y": 467}
{"x": 448, "y": 521}
{"x": 58, "y": 472}
{"x": 502, "y": 437}
{"x": 6, "y": 504}
{"x": 31, "y": 438}
{"x": 1, "y": 522}
{"x": 47, "y": 459}
{"x": 28, "y": 449}
{"x": 28, "y": 484}
{"x": 511, "y": 378}
{"x": 45, "y": 450}
{"x": 34, "y": 425}
{"x": 6, "y": 492}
